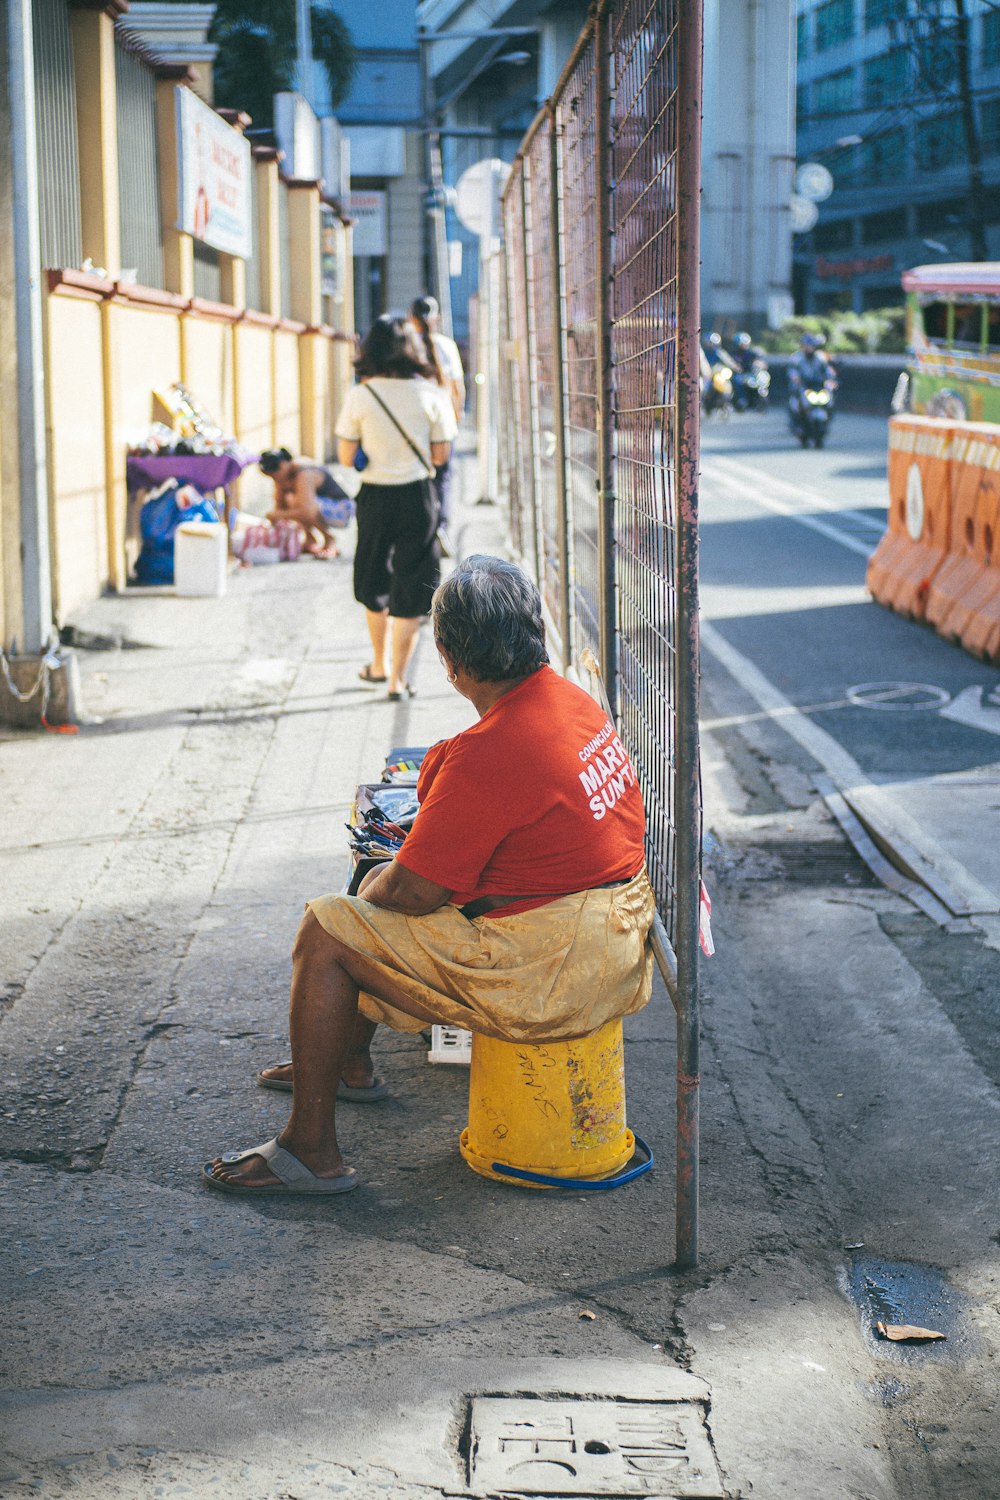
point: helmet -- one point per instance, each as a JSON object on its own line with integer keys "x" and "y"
{"x": 742, "y": 341}
{"x": 812, "y": 341}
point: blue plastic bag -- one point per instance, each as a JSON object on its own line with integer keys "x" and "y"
{"x": 158, "y": 522}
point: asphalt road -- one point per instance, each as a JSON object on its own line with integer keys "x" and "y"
{"x": 785, "y": 538}
{"x": 856, "y": 1034}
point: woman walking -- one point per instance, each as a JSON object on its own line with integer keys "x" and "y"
{"x": 404, "y": 423}
{"x": 443, "y": 356}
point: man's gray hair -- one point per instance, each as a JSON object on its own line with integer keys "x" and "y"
{"x": 488, "y": 617}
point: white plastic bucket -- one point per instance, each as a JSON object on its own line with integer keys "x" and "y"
{"x": 200, "y": 559}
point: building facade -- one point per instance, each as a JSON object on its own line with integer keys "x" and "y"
{"x": 110, "y": 294}
{"x": 381, "y": 123}
{"x": 900, "y": 100}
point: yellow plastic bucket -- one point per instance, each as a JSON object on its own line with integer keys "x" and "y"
{"x": 557, "y": 1109}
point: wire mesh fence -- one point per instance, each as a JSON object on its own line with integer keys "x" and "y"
{"x": 599, "y": 408}
{"x": 575, "y": 126}
{"x": 583, "y": 365}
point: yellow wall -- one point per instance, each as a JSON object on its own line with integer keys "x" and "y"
{"x": 208, "y": 367}
{"x": 287, "y": 418}
{"x": 77, "y": 472}
{"x": 268, "y": 386}
{"x": 314, "y": 379}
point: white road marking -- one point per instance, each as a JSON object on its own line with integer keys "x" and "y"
{"x": 750, "y": 482}
{"x": 969, "y": 708}
{"x": 943, "y": 875}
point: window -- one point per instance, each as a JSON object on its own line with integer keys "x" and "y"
{"x": 989, "y": 124}
{"x": 937, "y": 59}
{"x": 940, "y": 141}
{"x": 888, "y": 225}
{"x": 882, "y": 12}
{"x": 884, "y": 156}
{"x": 802, "y": 36}
{"x": 968, "y": 324}
{"x": 951, "y": 213}
{"x": 993, "y": 326}
{"x": 834, "y": 23}
{"x": 990, "y": 57}
{"x": 838, "y": 234}
{"x": 935, "y": 321}
{"x": 834, "y": 94}
{"x": 886, "y": 78}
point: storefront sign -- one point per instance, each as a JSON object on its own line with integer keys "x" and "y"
{"x": 847, "y": 270}
{"x": 213, "y": 178}
{"x": 368, "y": 210}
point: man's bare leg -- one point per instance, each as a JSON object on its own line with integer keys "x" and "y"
{"x": 326, "y": 980}
{"x": 359, "y": 1071}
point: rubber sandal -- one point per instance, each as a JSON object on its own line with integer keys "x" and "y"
{"x": 367, "y": 675}
{"x": 370, "y": 1094}
{"x": 405, "y": 692}
{"x": 293, "y": 1175}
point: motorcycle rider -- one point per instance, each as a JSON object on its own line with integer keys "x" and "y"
{"x": 808, "y": 370}
{"x": 749, "y": 389}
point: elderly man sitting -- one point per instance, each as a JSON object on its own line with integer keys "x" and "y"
{"x": 518, "y": 907}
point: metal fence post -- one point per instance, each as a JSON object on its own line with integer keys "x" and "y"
{"x": 531, "y": 362}
{"x": 559, "y": 391}
{"x": 688, "y": 781}
{"x": 605, "y": 368}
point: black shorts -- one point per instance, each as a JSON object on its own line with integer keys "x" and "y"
{"x": 397, "y": 564}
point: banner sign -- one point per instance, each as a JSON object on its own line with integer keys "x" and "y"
{"x": 213, "y": 178}
{"x": 368, "y": 210}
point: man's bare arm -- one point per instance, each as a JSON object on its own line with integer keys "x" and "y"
{"x": 396, "y": 888}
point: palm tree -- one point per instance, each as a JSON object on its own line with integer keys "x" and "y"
{"x": 257, "y": 54}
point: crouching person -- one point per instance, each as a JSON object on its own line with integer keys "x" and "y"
{"x": 518, "y": 907}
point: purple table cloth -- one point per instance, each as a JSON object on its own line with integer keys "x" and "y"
{"x": 206, "y": 471}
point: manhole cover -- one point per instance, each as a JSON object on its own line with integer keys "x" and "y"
{"x": 525, "y": 1445}
{"x": 897, "y": 697}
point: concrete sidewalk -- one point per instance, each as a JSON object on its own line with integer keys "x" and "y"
{"x": 164, "y": 1340}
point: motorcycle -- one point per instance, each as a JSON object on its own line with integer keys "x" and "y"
{"x": 717, "y": 391}
{"x": 811, "y": 411}
{"x": 752, "y": 386}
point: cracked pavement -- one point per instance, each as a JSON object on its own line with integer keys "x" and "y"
{"x": 164, "y": 1340}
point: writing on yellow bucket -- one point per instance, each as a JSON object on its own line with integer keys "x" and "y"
{"x": 557, "y": 1109}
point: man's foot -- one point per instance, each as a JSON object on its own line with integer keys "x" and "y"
{"x": 358, "y": 1082}
{"x": 278, "y": 1168}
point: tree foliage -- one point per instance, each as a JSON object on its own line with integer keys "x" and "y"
{"x": 257, "y": 53}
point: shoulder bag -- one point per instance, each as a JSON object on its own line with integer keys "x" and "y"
{"x": 431, "y": 471}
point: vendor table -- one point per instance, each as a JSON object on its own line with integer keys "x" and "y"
{"x": 206, "y": 471}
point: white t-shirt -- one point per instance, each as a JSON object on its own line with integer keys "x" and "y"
{"x": 448, "y": 357}
{"x": 421, "y": 407}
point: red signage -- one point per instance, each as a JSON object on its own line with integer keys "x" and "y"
{"x": 846, "y": 270}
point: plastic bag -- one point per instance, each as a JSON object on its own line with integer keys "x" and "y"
{"x": 158, "y": 523}
{"x": 337, "y": 513}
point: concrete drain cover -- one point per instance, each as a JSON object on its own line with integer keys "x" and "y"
{"x": 526, "y": 1445}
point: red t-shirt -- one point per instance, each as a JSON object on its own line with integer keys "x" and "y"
{"x": 539, "y": 796}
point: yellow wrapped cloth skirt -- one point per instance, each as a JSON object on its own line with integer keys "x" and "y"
{"x": 557, "y": 972}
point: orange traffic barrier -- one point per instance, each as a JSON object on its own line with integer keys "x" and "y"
{"x": 978, "y": 622}
{"x": 903, "y": 565}
{"x": 966, "y": 578}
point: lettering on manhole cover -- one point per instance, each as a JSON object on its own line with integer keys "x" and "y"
{"x": 526, "y": 1445}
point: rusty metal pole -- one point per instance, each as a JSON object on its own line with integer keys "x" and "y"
{"x": 559, "y": 391}
{"x": 531, "y": 363}
{"x": 608, "y": 620}
{"x": 688, "y": 780}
